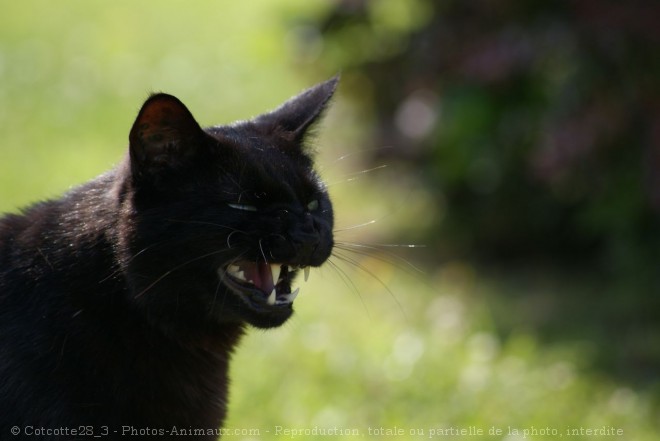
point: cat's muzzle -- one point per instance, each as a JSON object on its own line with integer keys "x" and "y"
{"x": 261, "y": 282}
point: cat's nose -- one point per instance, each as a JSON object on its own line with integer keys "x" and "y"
{"x": 305, "y": 252}
{"x": 308, "y": 225}
{"x": 306, "y": 240}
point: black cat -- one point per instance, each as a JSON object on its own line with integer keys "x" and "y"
{"x": 121, "y": 302}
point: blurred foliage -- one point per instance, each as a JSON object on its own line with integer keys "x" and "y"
{"x": 432, "y": 362}
{"x": 535, "y": 125}
{"x": 534, "y": 130}
{"x": 371, "y": 346}
{"x": 73, "y": 76}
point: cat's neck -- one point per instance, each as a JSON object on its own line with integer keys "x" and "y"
{"x": 82, "y": 325}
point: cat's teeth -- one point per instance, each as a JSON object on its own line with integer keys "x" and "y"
{"x": 306, "y": 273}
{"x": 288, "y": 298}
{"x": 272, "y": 297}
{"x": 236, "y": 272}
{"x": 233, "y": 268}
{"x": 275, "y": 272}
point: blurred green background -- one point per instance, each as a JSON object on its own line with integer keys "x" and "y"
{"x": 518, "y": 142}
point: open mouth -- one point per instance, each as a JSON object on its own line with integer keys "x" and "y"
{"x": 263, "y": 283}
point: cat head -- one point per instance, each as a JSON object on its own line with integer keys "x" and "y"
{"x": 218, "y": 222}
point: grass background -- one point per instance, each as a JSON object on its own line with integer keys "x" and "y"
{"x": 375, "y": 346}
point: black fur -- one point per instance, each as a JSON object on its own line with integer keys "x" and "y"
{"x": 117, "y": 305}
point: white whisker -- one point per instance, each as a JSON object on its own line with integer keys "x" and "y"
{"x": 342, "y": 256}
{"x": 371, "y": 222}
{"x": 371, "y": 250}
{"x": 349, "y": 283}
{"x": 356, "y": 175}
{"x": 262, "y": 251}
{"x": 353, "y": 153}
{"x": 176, "y": 268}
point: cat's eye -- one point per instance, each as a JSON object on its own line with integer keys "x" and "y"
{"x": 313, "y": 206}
{"x": 243, "y": 207}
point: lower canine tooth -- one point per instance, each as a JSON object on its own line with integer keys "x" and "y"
{"x": 271, "y": 297}
{"x": 286, "y": 299}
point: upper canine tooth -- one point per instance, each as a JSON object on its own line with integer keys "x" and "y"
{"x": 306, "y": 273}
{"x": 275, "y": 272}
{"x": 272, "y": 297}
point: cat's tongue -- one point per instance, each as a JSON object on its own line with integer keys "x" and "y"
{"x": 259, "y": 273}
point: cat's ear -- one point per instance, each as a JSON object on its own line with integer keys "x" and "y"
{"x": 164, "y": 136}
{"x": 294, "y": 118}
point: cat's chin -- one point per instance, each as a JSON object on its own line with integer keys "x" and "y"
{"x": 264, "y": 291}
